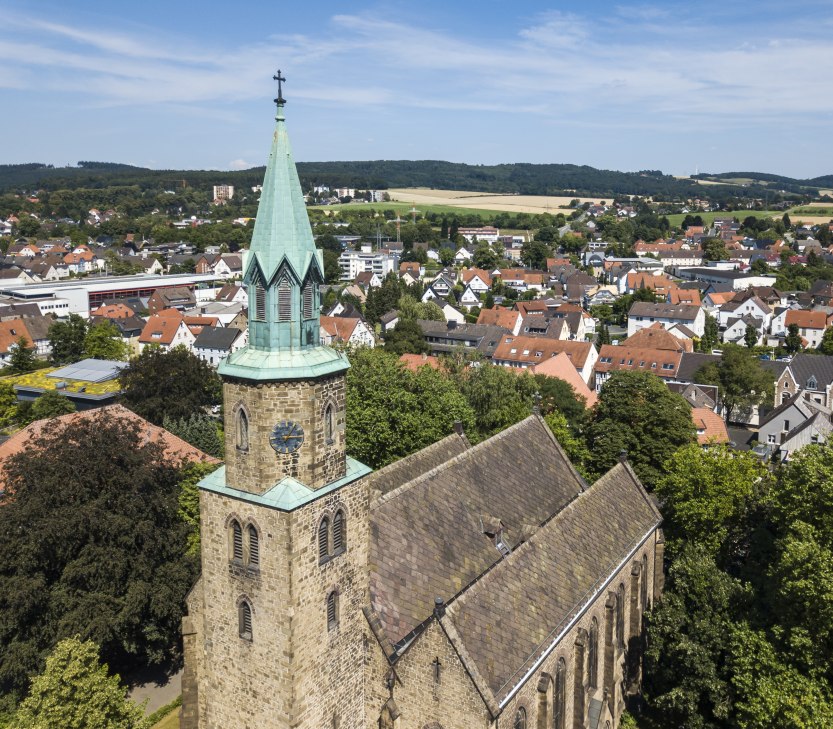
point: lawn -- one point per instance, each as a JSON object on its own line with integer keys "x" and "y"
{"x": 677, "y": 219}
{"x": 171, "y": 721}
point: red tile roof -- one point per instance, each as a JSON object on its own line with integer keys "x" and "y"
{"x": 661, "y": 362}
{"x": 710, "y": 426}
{"x": 533, "y": 350}
{"x": 807, "y": 319}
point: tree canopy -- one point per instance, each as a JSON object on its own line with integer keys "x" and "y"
{"x": 638, "y": 414}
{"x": 175, "y": 384}
{"x": 93, "y": 546}
{"x": 741, "y": 379}
{"x": 75, "y": 691}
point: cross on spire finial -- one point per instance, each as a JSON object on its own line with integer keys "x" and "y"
{"x": 280, "y": 101}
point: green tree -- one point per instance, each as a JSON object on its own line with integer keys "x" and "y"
{"x": 406, "y": 338}
{"x": 189, "y": 501}
{"x": 93, "y": 547}
{"x": 637, "y": 413}
{"x": 687, "y": 648}
{"x": 603, "y": 335}
{"x": 714, "y": 249}
{"x": 826, "y": 344}
{"x": 28, "y": 226}
{"x": 711, "y": 335}
{"x": 199, "y": 430}
{"x": 67, "y": 339}
{"x": 21, "y": 357}
{"x": 485, "y": 257}
{"x": 498, "y": 397}
{"x": 573, "y": 445}
{"x": 768, "y": 691}
{"x": 446, "y": 256}
{"x": 392, "y": 412}
{"x": 75, "y": 691}
{"x": 742, "y": 380}
{"x": 750, "y": 337}
{"x": 706, "y": 493}
{"x": 409, "y": 308}
{"x": 8, "y": 403}
{"x": 793, "y": 342}
{"x": 534, "y": 254}
{"x": 103, "y": 341}
{"x": 50, "y": 405}
{"x": 383, "y": 299}
{"x": 174, "y": 384}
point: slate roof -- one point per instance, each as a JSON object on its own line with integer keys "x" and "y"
{"x": 221, "y": 338}
{"x": 508, "y": 618}
{"x": 804, "y": 366}
{"x": 682, "y": 312}
{"x": 693, "y": 361}
{"x": 427, "y": 537}
{"x": 406, "y": 469}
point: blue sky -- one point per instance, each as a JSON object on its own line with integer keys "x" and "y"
{"x": 676, "y": 86}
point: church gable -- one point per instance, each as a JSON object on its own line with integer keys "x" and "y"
{"x": 558, "y": 572}
{"x": 436, "y": 534}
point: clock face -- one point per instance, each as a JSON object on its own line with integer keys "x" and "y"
{"x": 286, "y": 437}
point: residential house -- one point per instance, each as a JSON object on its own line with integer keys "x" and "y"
{"x": 173, "y": 297}
{"x": 390, "y": 320}
{"x": 736, "y": 328}
{"x": 794, "y": 423}
{"x": 212, "y": 344}
{"x": 658, "y": 337}
{"x": 367, "y": 280}
{"x": 11, "y": 330}
{"x": 710, "y": 427}
{"x": 811, "y": 374}
{"x": 508, "y": 319}
{"x": 232, "y": 294}
{"x": 740, "y": 307}
{"x": 527, "y": 351}
{"x": 811, "y": 325}
{"x": 663, "y": 363}
{"x": 166, "y": 332}
{"x": 642, "y": 314}
{"x": 562, "y": 368}
{"x": 346, "y": 330}
{"x": 477, "y": 279}
{"x": 450, "y": 337}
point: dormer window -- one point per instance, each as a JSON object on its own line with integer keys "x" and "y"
{"x": 812, "y": 384}
{"x": 500, "y": 544}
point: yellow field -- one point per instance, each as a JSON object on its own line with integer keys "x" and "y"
{"x": 488, "y": 201}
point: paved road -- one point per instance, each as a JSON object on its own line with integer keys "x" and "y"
{"x": 159, "y": 690}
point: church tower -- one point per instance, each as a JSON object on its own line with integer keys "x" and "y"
{"x": 274, "y": 632}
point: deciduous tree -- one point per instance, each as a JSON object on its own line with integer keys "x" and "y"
{"x": 75, "y": 691}
{"x": 174, "y": 384}
{"x": 742, "y": 380}
{"x": 93, "y": 546}
{"x": 67, "y": 339}
{"x": 103, "y": 341}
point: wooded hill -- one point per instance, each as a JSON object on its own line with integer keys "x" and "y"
{"x": 521, "y": 178}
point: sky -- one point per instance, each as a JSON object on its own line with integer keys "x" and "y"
{"x": 676, "y": 86}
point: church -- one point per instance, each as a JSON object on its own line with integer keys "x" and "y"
{"x": 466, "y": 586}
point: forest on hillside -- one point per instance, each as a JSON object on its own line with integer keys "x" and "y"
{"x": 520, "y": 178}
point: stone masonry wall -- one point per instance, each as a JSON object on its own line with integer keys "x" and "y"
{"x": 328, "y": 662}
{"x": 316, "y": 463}
{"x": 246, "y": 683}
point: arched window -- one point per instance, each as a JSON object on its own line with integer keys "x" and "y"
{"x": 284, "y": 300}
{"x": 559, "y": 709}
{"x": 520, "y": 719}
{"x": 244, "y": 619}
{"x": 339, "y": 533}
{"x": 328, "y": 424}
{"x": 242, "y": 430}
{"x": 324, "y": 540}
{"x": 254, "y": 546}
{"x": 644, "y": 583}
{"x": 620, "y": 616}
{"x": 593, "y": 655}
{"x": 236, "y": 541}
{"x": 332, "y": 610}
{"x": 309, "y": 299}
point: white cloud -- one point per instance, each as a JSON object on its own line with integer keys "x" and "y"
{"x": 240, "y": 164}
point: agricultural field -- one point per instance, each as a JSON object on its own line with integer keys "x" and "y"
{"x": 457, "y": 199}
{"x": 812, "y": 213}
{"x": 403, "y": 209}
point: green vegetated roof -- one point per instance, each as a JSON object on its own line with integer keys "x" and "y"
{"x": 40, "y": 380}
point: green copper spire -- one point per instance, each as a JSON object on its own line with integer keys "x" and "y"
{"x": 283, "y": 273}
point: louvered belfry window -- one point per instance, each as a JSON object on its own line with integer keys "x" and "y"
{"x": 284, "y": 300}
{"x": 309, "y": 299}
{"x": 237, "y": 541}
{"x": 254, "y": 547}
{"x": 260, "y": 301}
{"x": 338, "y": 533}
{"x": 324, "y": 539}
